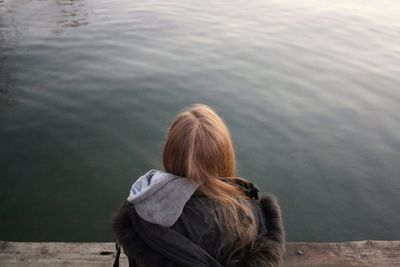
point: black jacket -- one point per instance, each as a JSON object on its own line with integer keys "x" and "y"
{"x": 197, "y": 238}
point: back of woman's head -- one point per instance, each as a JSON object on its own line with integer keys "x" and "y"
{"x": 199, "y": 147}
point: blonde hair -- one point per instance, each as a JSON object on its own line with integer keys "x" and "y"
{"x": 199, "y": 147}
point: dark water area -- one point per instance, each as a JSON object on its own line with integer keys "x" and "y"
{"x": 309, "y": 89}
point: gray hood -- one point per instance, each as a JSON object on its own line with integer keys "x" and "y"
{"x": 159, "y": 197}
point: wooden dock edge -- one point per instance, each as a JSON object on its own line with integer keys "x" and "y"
{"x": 300, "y": 254}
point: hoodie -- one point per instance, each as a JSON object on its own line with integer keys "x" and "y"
{"x": 159, "y": 197}
{"x": 167, "y": 222}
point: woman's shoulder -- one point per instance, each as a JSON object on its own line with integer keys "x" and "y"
{"x": 200, "y": 224}
{"x": 269, "y": 246}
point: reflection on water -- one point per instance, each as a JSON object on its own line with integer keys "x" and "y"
{"x": 56, "y": 16}
{"x": 72, "y": 13}
{"x": 6, "y": 98}
{"x": 8, "y": 30}
{"x": 308, "y": 89}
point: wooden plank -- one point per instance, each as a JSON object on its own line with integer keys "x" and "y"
{"x": 360, "y": 254}
{"x": 355, "y": 254}
{"x": 58, "y": 254}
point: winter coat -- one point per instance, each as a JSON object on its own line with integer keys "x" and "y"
{"x": 167, "y": 222}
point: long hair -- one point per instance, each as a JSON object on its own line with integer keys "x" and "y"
{"x": 199, "y": 147}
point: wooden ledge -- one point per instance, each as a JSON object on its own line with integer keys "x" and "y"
{"x": 299, "y": 254}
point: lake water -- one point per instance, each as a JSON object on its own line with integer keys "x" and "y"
{"x": 309, "y": 89}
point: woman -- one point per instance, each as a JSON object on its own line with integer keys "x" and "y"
{"x": 196, "y": 212}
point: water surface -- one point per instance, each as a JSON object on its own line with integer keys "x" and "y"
{"x": 309, "y": 90}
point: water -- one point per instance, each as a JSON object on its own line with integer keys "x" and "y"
{"x": 309, "y": 90}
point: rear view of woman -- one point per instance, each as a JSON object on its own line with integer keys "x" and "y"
{"x": 196, "y": 212}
